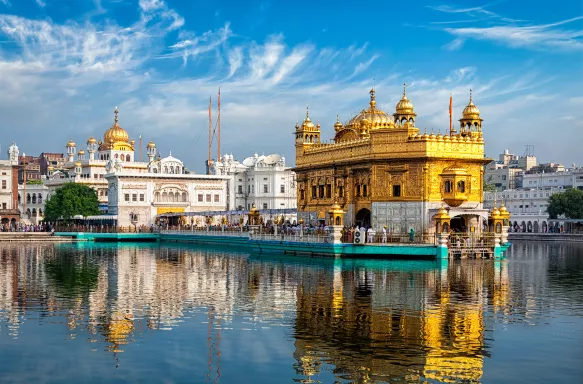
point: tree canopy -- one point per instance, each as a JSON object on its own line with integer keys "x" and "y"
{"x": 70, "y": 200}
{"x": 489, "y": 187}
{"x": 568, "y": 203}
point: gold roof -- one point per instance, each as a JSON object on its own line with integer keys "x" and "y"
{"x": 81, "y": 152}
{"x": 116, "y": 134}
{"x": 442, "y": 214}
{"x": 504, "y": 212}
{"x": 495, "y": 213}
{"x": 71, "y": 143}
{"x": 77, "y": 163}
{"x": 337, "y": 124}
{"x": 307, "y": 124}
{"x": 375, "y": 117}
{"x": 471, "y": 111}
{"x": 151, "y": 144}
{"x": 91, "y": 140}
{"x": 404, "y": 106}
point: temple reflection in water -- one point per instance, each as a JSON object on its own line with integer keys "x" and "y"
{"x": 368, "y": 320}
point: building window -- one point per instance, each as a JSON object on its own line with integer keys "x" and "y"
{"x": 200, "y": 197}
{"x": 264, "y": 205}
{"x": 248, "y": 189}
{"x": 321, "y": 191}
{"x": 282, "y": 188}
{"x": 447, "y": 186}
{"x": 208, "y": 198}
{"x": 216, "y": 198}
{"x": 461, "y": 186}
{"x": 328, "y": 190}
{"x": 302, "y": 194}
{"x": 3, "y": 184}
{"x": 265, "y": 178}
{"x": 340, "y": 191}
{"x": 396, "y": 190}
{"x": 3, "y": 205}
{"x": 240, "y": 190}
{"x": 127, "y": 197}
{"x": 357, "y": 190}
{"x": 141, "y": 197}
{"x": 134, "y": 197}
{"x": 364, "y": 190}
{"x": 264, "y": 188}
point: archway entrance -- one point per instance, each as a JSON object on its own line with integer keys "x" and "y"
{"x": 363, "y": 218}
{"x": 458, "y": 224}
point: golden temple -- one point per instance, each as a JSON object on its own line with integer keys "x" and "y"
{"x": 384, "y": 172}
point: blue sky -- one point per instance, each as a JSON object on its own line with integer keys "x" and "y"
{"x": 65, "y": 65}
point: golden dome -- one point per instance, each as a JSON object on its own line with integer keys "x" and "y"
{"x": 495, "y": 213}
{"x": 116, "y": 134}
{"x": 151, "y": 144}
{"x": 337, "y": 124}
{"x": 91, "y": 140}
{"x": 307, "y": 124}
{"x": 132, "y": 142}
{"x": 77, "y": 163}
{"x": 504, "y": 212}
{"x": 404, "y": 106}
{"x": 375, "y": 117}
{"x": 471, "y": 111}
{"x": 81, "y": 152}
{"x": 71, "y": 143}
{"x": 442, "y": 214}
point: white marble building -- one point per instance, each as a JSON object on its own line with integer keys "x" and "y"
{"x": 31, "y": 201}
{"x": 261, "y": 180}
{"x": 527, "y": 207}
{"x": 8, "y": 187}
{"x": 137, "y": 198}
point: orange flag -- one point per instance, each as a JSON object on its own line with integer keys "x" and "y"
{"x": 450, "y": 114}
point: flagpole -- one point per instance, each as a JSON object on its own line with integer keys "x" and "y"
{"x": 450, "y": 115}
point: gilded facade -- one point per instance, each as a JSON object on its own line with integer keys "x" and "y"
{"x": 383, "y": 170}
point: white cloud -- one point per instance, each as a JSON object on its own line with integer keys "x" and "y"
{"x": 511, "y": 32}
{"x": 41, "y": 3}
{"x": 5, "y": 2}
{"x": 72, "y": 75}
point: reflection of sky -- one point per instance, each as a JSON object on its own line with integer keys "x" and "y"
{"x": 527, "y": 317}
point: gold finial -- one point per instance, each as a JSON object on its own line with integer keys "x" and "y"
{"x": 307, "y": 112}
{"x": 470, "y": 95}
{"x": 404, "y": 90}
{"x": 372, "y": 98}
{"x": 337, "y": 118}
{"x": 116, "y": 112}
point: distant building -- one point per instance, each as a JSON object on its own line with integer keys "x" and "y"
{"x": 31, "y": 202}
{"x": 48, "y": 159}
{"x": 32, "y": 165}
{"x": 261, "y": 180}
{"x": 9, "y": 213}
{"x": 506, "y": 173}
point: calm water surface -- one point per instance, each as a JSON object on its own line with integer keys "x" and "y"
{"x": 174, "y": 314}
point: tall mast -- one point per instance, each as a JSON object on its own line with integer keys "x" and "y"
{"x": 208, "y": 168}
{"x": 450, "y": 115}
{"x": 219, "y": 129}
{"x": 140, "y": 148}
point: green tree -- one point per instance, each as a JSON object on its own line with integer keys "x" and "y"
{"x": 568, "y": 203}
{"x": 489, "y": 187}
{"x": 34, "y": 182}
{"x": 71, "y": 199}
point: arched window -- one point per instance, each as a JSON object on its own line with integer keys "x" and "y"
{"x": 28, "y": 198}
{"x": 447, "y": 186}
{"x": 155, "y": 170}
{"x": 461, "y": 186}
{"x": 19, "y": 198}
{"x": 34, "y": 212}
{"x": 40, "y": 212}
{"x": 28, "y": 213}
{"x": 128, "y": 158}
{"x": 40, "y": 198}
{"x": 116, "y": 155}
{"x": 157, "y": 196}
{"x": 165, "y": 169}
{"x": 164, "y": 197}
{"x": 34, "y": 198}
{"x": 178, "y": 170}
{"x": 411, "y": 121}
{"x": 184, "y": 197}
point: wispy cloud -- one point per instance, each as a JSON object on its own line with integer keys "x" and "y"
{"x": 510, "y": 32}
{"x": 5, "y": 2}
{"x": 41, "y": 3}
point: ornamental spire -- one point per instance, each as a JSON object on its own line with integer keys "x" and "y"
{"x": 116, "y": 118}
{"x": 404, "y": 90}
{"x": 373, "y": 101}
{"x": 470, "y": 95}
